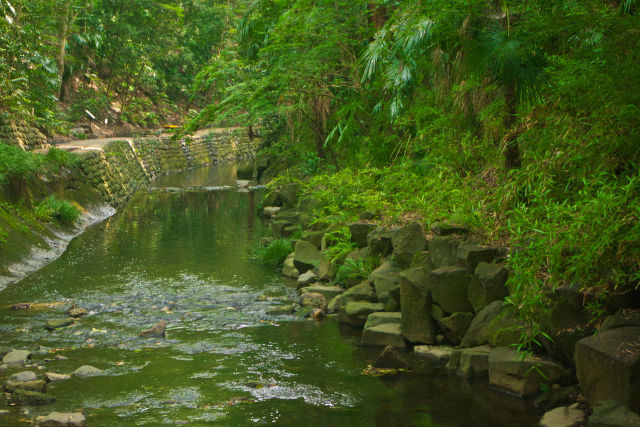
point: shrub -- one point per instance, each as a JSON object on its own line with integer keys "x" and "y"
{"x": 274, "y": 253}
{"x": 53, "y": 208}
{"x": 354, "y": 271}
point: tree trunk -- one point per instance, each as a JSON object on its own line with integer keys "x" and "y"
{"x": 62, "y": 47}
{"x": 512, "y": 156}
{"x": 377, "y": 15}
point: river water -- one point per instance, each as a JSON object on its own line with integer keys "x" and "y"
{"x": 184, "y": 257}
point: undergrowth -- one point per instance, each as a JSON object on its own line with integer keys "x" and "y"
{"x": 53, "y": 208}
{"x": 274, "y": 253}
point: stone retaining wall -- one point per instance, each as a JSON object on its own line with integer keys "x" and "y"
{"x": 122, "y": 167}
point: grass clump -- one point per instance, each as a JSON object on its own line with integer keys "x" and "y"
{"x": 53, "y": 208}
{"x": 273, "y": 254}
{"x": 18, "y": 164}
{"x": 353, "y": 271}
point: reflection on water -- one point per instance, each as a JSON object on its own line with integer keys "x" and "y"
{"x": 183, "y": 256}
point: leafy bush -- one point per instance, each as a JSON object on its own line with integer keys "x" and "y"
{"x": 53, "y": 208}
{"x": 56, "y": 159}
{"x": 274, "y": 253}
{"x": 339, "y": 244}
{"x": 14, "y": 162}
{"x": 354, "y": 271}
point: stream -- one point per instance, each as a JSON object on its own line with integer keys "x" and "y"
{"x": 184, "y": 256}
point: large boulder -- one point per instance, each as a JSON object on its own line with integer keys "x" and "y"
{"x": 289, "y": 269}
{"x": 445, "y": 229}
{"x": 278, "y": 228}
{"x": 407, "y": 241}
{"x": 390, "y": 358}
{"x": 470, "y": 362}
{"x": 306, "y": 256}
{"x": 620, "y": 319}
{"x": 385, "y": 334}
{"x": 611, "y": 413}
{"x": 455, "y": 326}
{"x": 487, "y": 285}
{"x": 87, "y": 371}
{"x": 22, "y": 377}
{"x": 519, "y": 374}
{"x": 326, "y": 269}
{"x": 384, "y": 279}
{"x": 436, "y": 355}
{"x": 313, "y": 300}
{"x": 442, "y": 251}
{"x": 59, "y": 419}
{"x": 362, "y": 292}
{"x": 380, "y": 239}
{"x": 359, "y": 232}
{"x": 383, "y": 317}
{"x": 469, "y": 256}
{"x": 415, "y": 303}
{"x": 356, "y": 313}
{"x": 305, "y": 279}
{"x": 329, "y": 292}
{"x": 16, "y": 358}
{"x": 449, "y": 287}
{"x": 608, "y": 366}
{"x": 497, "y": 324}
{"x": 313, "y": 237}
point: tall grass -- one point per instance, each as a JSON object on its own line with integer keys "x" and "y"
{"x": 273, "y": 254}
{"x": 53, "y": 208}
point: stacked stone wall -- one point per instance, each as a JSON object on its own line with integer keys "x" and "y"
{"x": 122, "y": 167}
{"x": 20, "y": 133}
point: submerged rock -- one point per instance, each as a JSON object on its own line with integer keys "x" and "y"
{"x": 156, "y": 331}
{"x": 31, "y": 398}
{"x": 59, "y": 323}
{"x": 87, "y": 371}
{"x": 281, "y": 309}
{"x": 390, "y": 358}
{"x": 21, "y": 306}
{"x": 59, "y": 419}
{"x": 470, "y": 362}
{"x": 77, "y": 311}
{"x": 36, "y": 385}
{"x": 16, "y": 358}
{"x": 53, "y": 377}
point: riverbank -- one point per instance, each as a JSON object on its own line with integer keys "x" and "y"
{"x": 103, "y": 177}
{"x": 440, "y": 297}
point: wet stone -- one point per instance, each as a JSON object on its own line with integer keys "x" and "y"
{"x": 31, "y": 398}
{"x": 16, "y": 358}
{"x": 38, "y": 385}
{"x": 87, "y": 371}
{"x": 78, "y": 312}
{"x": 53, "y": 377}
{"x": 59, "y": 419}
{"x": 59, "y": 323}
{"x": 156, "y": 331}
{"x": 22, "y": 377}
{"x": 281, "y": 309}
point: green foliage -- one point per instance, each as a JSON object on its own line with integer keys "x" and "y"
{"x": 273, "y": 254}
{"x": 53, "y": 208}
{"x": 19, "y": 164}
{"x": 339, "y": 244}
{"x": 354, "y": 271}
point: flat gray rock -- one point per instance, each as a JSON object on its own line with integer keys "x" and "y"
{"x": 53, "y": 377}
{"x": 21, "y": 377}
{"x": 16, "y": 357}
{"x": 73, "y": 419}
{"x": 87, "y": 371}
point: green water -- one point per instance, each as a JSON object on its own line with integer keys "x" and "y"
{"x": 183, "y": 256}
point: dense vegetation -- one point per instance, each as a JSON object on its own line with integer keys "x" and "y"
{"x": 518, "y": 118}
